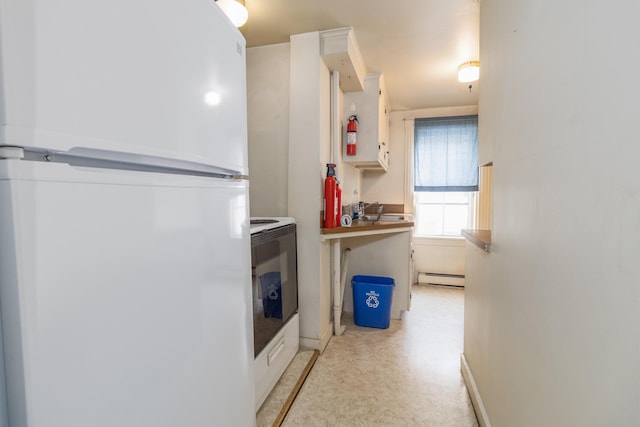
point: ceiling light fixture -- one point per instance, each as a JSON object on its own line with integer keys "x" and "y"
{"x": 469, "y": 72}
{"x": 235, "y": 10}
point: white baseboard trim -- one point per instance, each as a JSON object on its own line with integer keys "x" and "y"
{"x": 440, "y": 279}
{"x": 474, "y": 393}
{"x": 310, "y": 343}
{"x": 325, "y": 337}
{"x": 318, "y": 343}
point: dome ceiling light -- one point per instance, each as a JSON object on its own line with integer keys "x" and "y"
{"x": 235, "y": 10}
{"x": 469, "y": 72}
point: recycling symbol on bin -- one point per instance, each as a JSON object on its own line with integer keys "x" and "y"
{"x": 272, "y": 293}
{"x": 372, "y": 299}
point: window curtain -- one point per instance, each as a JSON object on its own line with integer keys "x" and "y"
{"x": 446, "y": 154}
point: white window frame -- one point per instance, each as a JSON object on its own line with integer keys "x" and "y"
{"x": 409, "y": 129}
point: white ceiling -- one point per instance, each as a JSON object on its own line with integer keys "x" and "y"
{"x": 417, "y": 44}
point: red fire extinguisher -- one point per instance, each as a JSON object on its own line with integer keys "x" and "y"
{"x": 330, "y": 197}
{"x": 352, "y": 132}
{"x": 338, "y": 204}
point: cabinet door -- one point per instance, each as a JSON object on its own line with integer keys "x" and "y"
{"x": 383, "y": 126}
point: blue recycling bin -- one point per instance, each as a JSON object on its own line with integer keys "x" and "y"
{"x": 372, "y": 298}
{"x": 271, "y": 294}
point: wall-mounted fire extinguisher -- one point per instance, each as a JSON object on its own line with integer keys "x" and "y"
{"x": 330, "y": 197}
{"x": 352, "y": 132}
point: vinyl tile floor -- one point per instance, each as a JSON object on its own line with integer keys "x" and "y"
{"x": 406, "y": 375}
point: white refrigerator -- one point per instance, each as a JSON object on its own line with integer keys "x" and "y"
{"x": 125, "y": 278}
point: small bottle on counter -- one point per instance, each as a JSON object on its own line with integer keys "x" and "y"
{"x": 355, "y": 205}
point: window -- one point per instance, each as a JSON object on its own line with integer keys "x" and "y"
{"x": 445, "y": 174}
{"x": 443, "y": 213}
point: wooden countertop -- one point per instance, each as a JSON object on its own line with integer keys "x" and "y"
{"x": 480, "y": 238}
{"x": 364, "y": 228}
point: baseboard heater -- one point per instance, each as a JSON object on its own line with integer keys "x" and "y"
{"x": 441, "y": 279}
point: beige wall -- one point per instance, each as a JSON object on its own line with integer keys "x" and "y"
{"x": 552, "y": 313}
{"x": 443, "y": 255}
{"x": 309, "y": 151}
{"x": 268, "y": 86}
{"x": 268, "y": 128}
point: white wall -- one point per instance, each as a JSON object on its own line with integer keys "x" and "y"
{"x": 443, "y": 255}
{"x": 268, "y": 128}
{"x": 350, "y": 180}
{"x": 551, "y": 330}
{"x": 309, "y": 151}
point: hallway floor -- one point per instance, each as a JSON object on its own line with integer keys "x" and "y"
{"x": 406, "y": 375}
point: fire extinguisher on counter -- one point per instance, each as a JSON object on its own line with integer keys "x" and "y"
{"x": 330, "y": 197}
{"x": 338, "y": 203}
{"x": 352, "y": 132}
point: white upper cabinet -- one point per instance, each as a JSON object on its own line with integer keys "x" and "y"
{"x": 371, "y": 106}
{"x": 339, "y": 50}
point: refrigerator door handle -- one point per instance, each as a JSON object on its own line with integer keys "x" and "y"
{"x": 108, "y": 159}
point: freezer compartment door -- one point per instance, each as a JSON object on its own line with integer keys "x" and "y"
{"x": 159, "y": 78}
{"x": 126, "y": 305}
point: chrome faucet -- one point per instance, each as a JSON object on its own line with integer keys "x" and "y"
{"x": 378, "y": 210}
